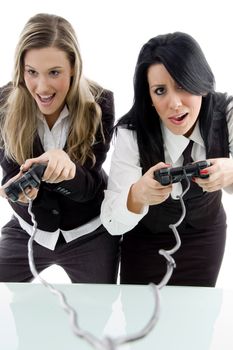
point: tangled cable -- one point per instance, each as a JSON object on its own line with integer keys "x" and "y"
{"x": 110, "y": 343}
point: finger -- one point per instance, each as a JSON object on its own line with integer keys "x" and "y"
{"x": 72, "y": 171}
{"x": 28, "y": 164}
{"x": 212, "y": 188}
{"x": 30, "y": 193}
{"x": 52, "y": 171}
{"x": 158, "y": 166}
{"x": 62, "y": 173}
{"x": 66, "y": 174}
{"x": 3, "y": 193}
{"x": 158, "y": 199}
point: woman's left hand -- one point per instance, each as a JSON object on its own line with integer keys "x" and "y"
{"x": 220, "y": 175}
{"x": 2, "y": 192}
{"x": 59, "y": 166}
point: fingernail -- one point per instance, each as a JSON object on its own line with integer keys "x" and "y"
{"x": 193, "y": 179}
{"x": 204, "y": 172}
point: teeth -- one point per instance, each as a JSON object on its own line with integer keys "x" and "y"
{"x": 181, "y": 117}
{"x": 46, "y": 98}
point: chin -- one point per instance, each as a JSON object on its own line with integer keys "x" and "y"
{"x": 177, "y": 132}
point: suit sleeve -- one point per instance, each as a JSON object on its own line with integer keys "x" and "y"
{"x": 89, "y": 179}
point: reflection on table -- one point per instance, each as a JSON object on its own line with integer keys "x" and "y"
{"x": 191, "y": 318}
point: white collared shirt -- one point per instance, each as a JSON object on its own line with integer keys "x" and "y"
{"x": 174, "y": 145}
{"x": 56, "y": 139}
{"x": 125, "y": 170}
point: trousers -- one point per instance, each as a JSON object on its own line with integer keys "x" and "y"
{"x": 198, "y": 260}
{"x": 93, "y": 258}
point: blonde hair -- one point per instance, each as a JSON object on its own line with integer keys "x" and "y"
{"x": 20, "y": 110}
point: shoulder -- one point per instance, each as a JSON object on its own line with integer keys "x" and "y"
{"x": 127, "y": 121}
{"x": 106, "y": 94}
{"x": 229, "y": 114}
{"x": 102, "y": 97}
{"x": 222, "y": 101}
{"x": 5, "y": 92}
{"x": 124, "y": 133}
{"x": 106, "y": 104}
{"x": 125, "y": 144}
{"x": 106, "y": 100}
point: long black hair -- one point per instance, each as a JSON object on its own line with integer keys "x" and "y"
{"x": 184, "y": 60}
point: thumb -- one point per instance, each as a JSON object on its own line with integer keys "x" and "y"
{"x": 158, "y": 166}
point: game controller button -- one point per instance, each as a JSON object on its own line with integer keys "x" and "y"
{"x": 166, "y": 180}
{"x": 55, "y": 212}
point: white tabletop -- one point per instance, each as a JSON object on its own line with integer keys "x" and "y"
{"x": 190, "y": 318}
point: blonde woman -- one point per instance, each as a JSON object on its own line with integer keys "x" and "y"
{"x": 51, "y": 114}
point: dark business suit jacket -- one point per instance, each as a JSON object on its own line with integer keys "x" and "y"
{"x": 197, "y": 202}
{"x": 69, "y": 204}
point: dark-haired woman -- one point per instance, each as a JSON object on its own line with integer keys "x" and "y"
{"x": 175, "y": 105}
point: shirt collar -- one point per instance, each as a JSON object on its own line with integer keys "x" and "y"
{"x": 64, "y": 114}
{"x": 176, "y": 144}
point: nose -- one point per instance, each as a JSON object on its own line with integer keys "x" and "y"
{"x": 42, "y": 85}
{"x": 175, "y": 101}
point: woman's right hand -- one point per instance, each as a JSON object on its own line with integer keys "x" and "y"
{"x": 147, "y": 191}
{"x": 59, "y": 165}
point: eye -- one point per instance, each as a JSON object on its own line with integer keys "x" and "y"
{"x": 54, "y": 73}
{"x": 160, "y": 91}
{"x": 179, "y": 87}
{"x": 32, "y": 72}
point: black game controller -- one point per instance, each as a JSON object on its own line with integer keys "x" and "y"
{"x": 168, "y": 176}
{"x": 30, "y": 178}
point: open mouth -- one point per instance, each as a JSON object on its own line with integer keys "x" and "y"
{"x": 177, "y": 119}
{"x": 46, "y": 99}
{"x": 180, "y": 117}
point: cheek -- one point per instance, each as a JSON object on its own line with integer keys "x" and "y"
{"x": 63, "y": 86}
{"x": 160, "y": 106}
{"x": 196, "y": 105}
{"x": 154, "y": 101}
{"x": 29, "y": 84}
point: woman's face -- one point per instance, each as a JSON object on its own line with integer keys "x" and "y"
{"x": 47, "y": 75}
{"x": 177, "y": 108}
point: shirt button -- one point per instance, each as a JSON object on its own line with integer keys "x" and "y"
{"x": 55, "y": 212}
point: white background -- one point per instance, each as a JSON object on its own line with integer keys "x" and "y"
{"x": 111, "y": 34}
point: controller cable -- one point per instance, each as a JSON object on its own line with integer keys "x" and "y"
{"x": 110, "y": 343}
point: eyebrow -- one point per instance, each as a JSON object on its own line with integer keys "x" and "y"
{"x": 156, "y": 85}
{"x": 51, "y": 68}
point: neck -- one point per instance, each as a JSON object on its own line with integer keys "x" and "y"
{"x": 51, "y": 119}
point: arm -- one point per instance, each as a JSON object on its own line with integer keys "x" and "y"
{"x": 129, "y": 194}
{"x": 79, "y": 182}
{"x": 221, "y": 169}
{"x": 88, "y": 179}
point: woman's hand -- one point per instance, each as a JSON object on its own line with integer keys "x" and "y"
{"x": 220, "y": 175}
{"x": 2, "y": 192}
{"x": 59, "y": 166}
{"x": 30, "y": 193}
{"x": 147, "y": 191}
